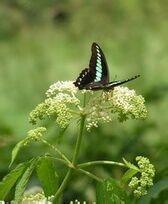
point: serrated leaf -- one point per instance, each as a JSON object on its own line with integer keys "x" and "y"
{"x": 21, "y": 185}
{"x": 109, "y": 191}
{"x": 15, "y": 151}
{"x": 130, "y": 165}
{"x": 128, "y": 175}
{"x": 47, "y": 176}
{"x": 154, "y": 191}
{"x": 10, "y": 179}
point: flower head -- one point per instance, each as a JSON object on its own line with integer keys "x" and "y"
{"x": 61, "y": 86}
{"x": 63, "y": 102}
{"x": 126, "y": 103}
{"x": 121, "y": 101}
{"x": 38, "y": 113}
{"x": 35, "y": 198}
{"x": 97, "y": 115}
{"x": 145, "y": 180}
{"x": 34, "y": 135}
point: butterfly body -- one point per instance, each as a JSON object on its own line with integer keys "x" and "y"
{"x": 96, "y": 77}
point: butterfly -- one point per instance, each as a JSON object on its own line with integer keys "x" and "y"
{"x": 96, "y": 77}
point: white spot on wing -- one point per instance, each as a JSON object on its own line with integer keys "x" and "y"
{"x": 99, "y": 65}
{"x": 98, "y": 61}
{"x": 97, "y": 79}
{"x": 98, "y": 51}
{"x": 98, "y": 54}
{"x": 98, "y": 74}
{"x": 98, "y": 58}
{"x": 98, "y": 69}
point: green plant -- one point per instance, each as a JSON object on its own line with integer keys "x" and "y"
{"x": 65, "y": 103}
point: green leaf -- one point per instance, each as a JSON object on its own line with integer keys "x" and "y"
{"x": 47, "y": 176}
{"x": 21, "y": 184}
{"x": 15, "y": 151}
{"x": 130, "y": 165}
{"x": 109, "y": 191}
{"x": 10, "y": 179}
{"x": 128, "y": 175}
{"x": 154, "y": 191}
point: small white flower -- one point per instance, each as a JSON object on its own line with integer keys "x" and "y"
{"x": 61, "y": 86}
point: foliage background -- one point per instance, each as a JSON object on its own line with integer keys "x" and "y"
{"x": 44, "y": 41}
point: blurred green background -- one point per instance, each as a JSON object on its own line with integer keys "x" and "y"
{"x": 42, "y": 41}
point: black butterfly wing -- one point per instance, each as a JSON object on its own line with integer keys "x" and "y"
{"x": 113, "y": 84}
{"x": 85, "y": 78}
{"x": 97, "y": 73}
{"x": 98, "y": 66}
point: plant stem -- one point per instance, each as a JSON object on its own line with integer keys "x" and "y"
{"x": 61, "y": 161}
{"x": 62, "y": 187}
{"x": 75, "y": 155}
{"x": 101, "y": 162}
{"x": 89, "y": 174}
{"x": 79, "y": 140}
{"x": 57, "y": 150}
{"x": 75, "y": 112}
{"x": 77, "y": 169}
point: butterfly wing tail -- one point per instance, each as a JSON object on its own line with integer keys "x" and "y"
{"x": 117, "y": 83}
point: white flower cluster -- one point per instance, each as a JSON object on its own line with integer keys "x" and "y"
{"x": 34, "y": 135}
{"x": 121, "y": 98}
{"x": 97, "y": 115}
{"x": 121, "y": 101}
{"x": 127, "y": 104}
{"x": 63, "y": 101}
{"x": 58, "y": 106}
{"x": 61, "y": 86}
{"x": 147, "y": 172}
{"x": 36, "y": 198}
{"x": 60, "y": 103}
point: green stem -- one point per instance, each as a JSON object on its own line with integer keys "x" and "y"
{"x": 90, "y": 175}
{"x": 100, "y": 162}
{"x": 79, "y": 140}
{"x": 61, "y": 161}
{"x": 57, "y": 150}
{"x": 75, "y": 155}
{"x": 62, "y": 187}
{"x": 76, "y": 169}
{"x": 75, "y": 112}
